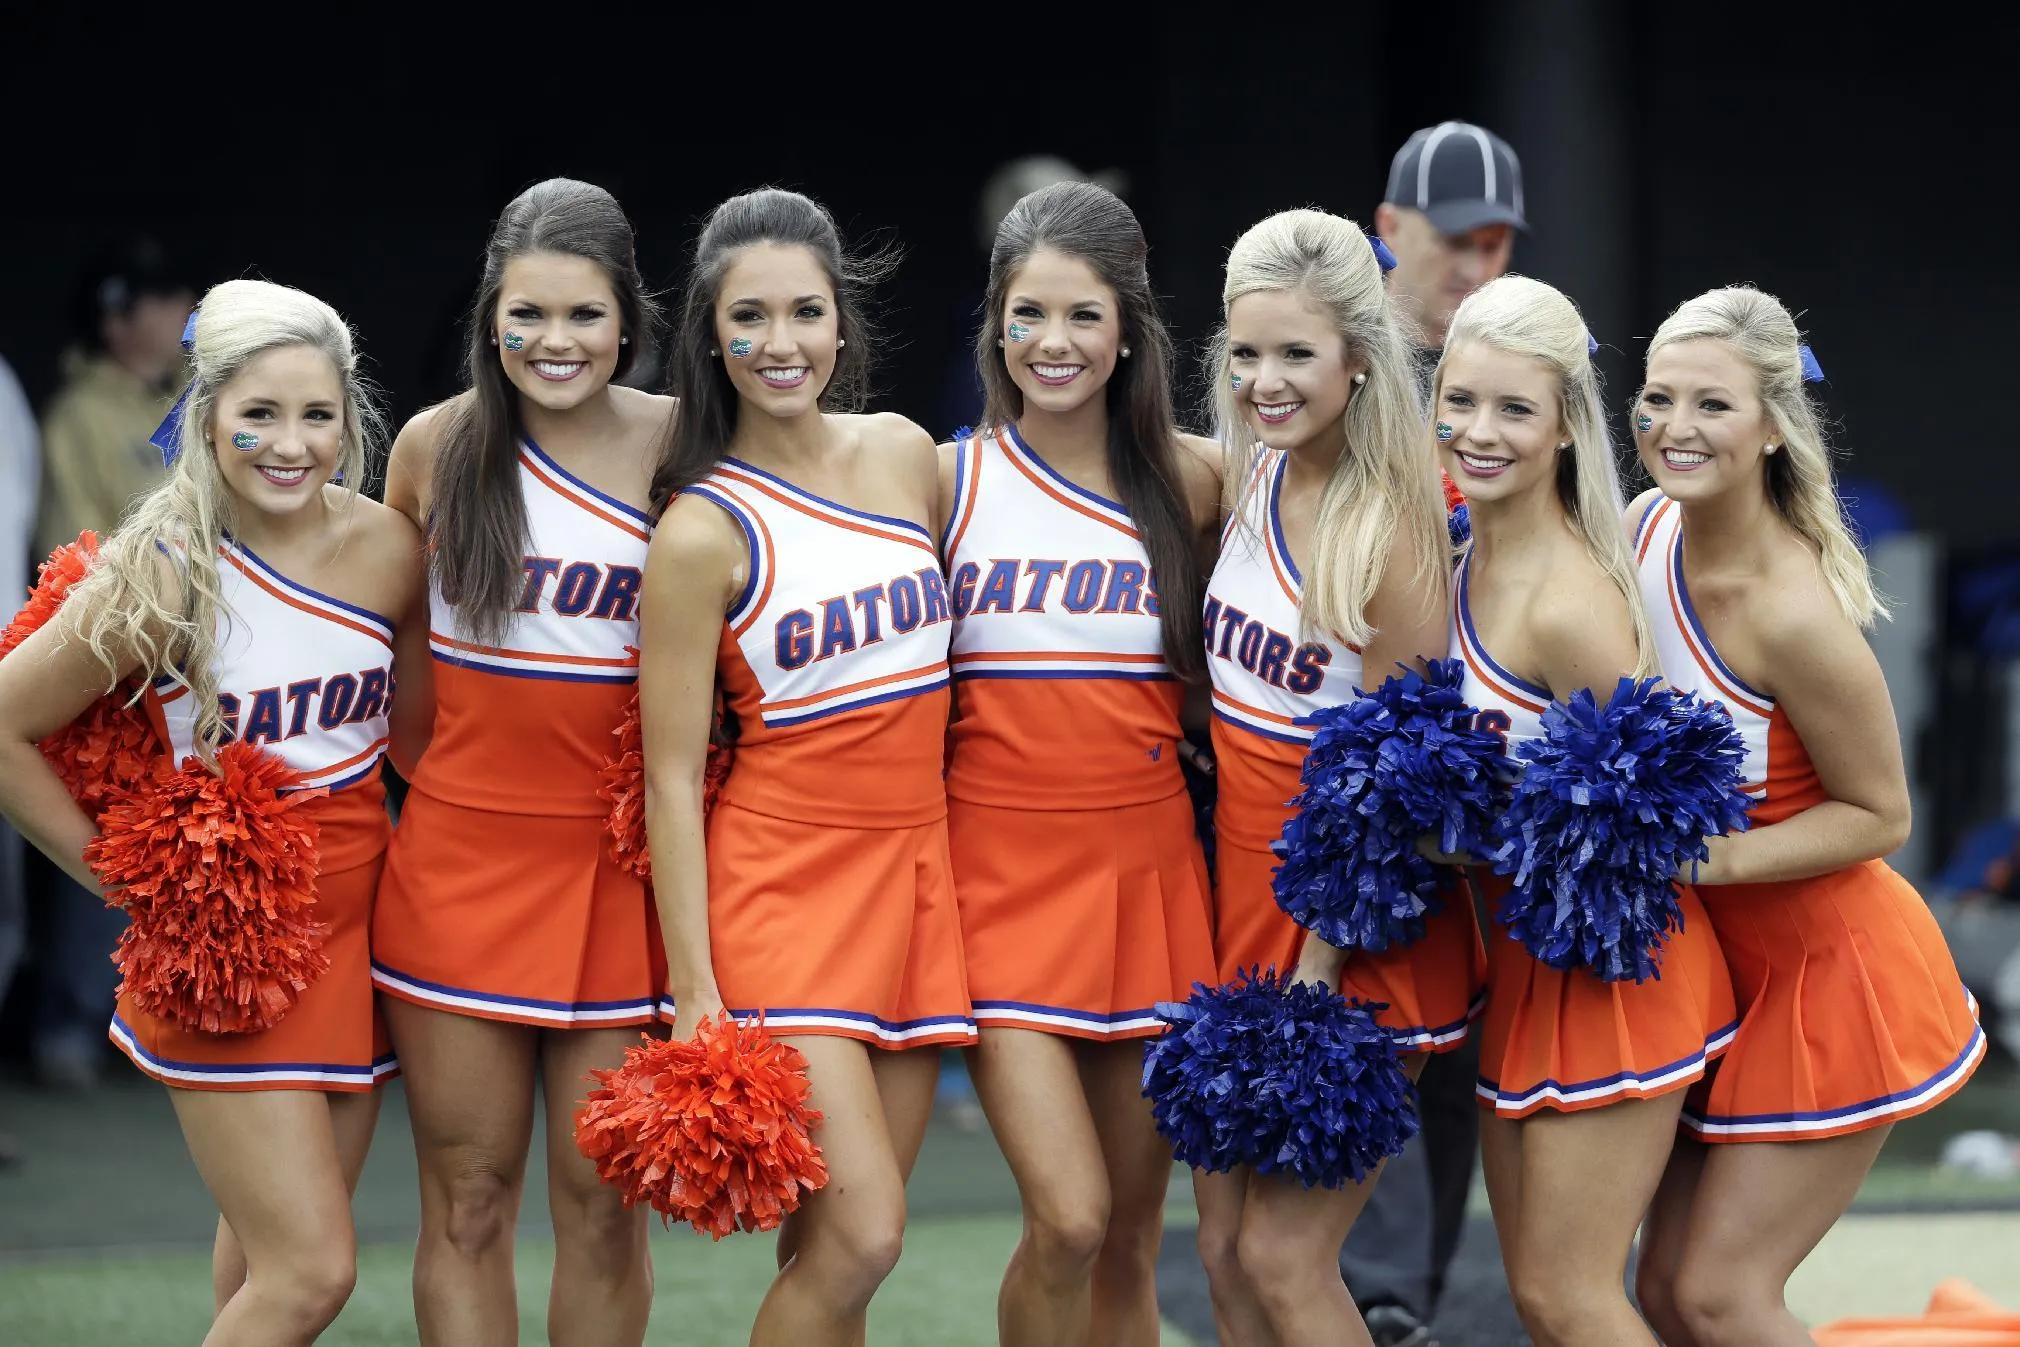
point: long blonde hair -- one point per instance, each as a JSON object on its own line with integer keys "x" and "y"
{"x": 1382, "y": 497}
{"x": 139, "y": 604}
{"x": 1758, "y": 329}
{"x": 1527, "y": 318}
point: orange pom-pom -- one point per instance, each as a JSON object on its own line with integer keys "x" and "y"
{"x": 624, "y": 786}
{"x": 104, "y": 754}
{"x": 218, "y": 871}
{"x": 1454, "y": 497}
{"x": 713, "y": 1130}
{"x": 66, "y": 566}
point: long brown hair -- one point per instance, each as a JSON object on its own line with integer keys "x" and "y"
{"x": 1080, "y": 219}
{"x": 708, "y": 401}
{"x": 477, "y": 515}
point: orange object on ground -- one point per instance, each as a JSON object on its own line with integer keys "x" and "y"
{"x": 1959, "y": 1315}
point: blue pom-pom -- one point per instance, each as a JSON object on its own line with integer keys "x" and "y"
{"x": 1612, "y": 805}
{"x": 1384, "y": 769}
{"x": 1459, "y": 523}
{"x": 1288, "y": 1077}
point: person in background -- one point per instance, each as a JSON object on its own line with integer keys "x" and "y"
{"x": 117, "y": 384}
{"x": 1453, "y": 204}
{"x": 20, "y": 465}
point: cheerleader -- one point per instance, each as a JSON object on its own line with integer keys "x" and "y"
{"x": 1077, "y": 517}
{"x": 795, "y": 570}
{"x": 1583, "y": 1078}
{"x": 1852, "y": 1015}
{"x": 256, "y": 597}
{"x": 1333, "y": 570}
{"x": 508, "y": 942}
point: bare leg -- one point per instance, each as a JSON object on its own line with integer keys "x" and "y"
{"x": 470, "y": 1092}
{"x": 1664, "y": 1232}
{"x": 601, "y": 1295}
{"x": 269, "y": 1158}
{"x": 1030, "y": 1089}
{"x": 1139, "y": 1174}
{"x": 352, "y": 1118}
{"x": 1587, "y": 1178}
{"x": 1290, "y": 1250}
{"x": 851, "y": 1231}
{"x": 1238, "y": 1316}
{"x": 1760, "y": 1209}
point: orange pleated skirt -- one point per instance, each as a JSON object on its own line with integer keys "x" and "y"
{"x": 1431, "y": 990}
{"x": 332, "y": 1039}
{"x": 1565, "y": 1040}
{"x": 1851, "y": 1011}
{"x": 517, "y": 917}
{"x": 837, "y": 932}
{"x": 1078, "y": 922}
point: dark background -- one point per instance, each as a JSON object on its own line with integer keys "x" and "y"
{"x": 1854, "y": 171}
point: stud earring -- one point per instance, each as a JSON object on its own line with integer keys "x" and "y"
{"x": 1562, "y": 447}
{"x": 999, "y": 341}
{"x": 1444, "y": 432}
{"x": 1360, "y": 378}
{"x": 715, "y": 351}
{"x": 494, "y": 341}
{"x": 1125, "y": 353}
{"x": 840, "y": 342}
{"x": 1644, "y": 423}
{"x": 624, "y": 341}
{"x": 1769, "y": 449}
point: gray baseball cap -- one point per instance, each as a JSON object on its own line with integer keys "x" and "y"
{"x": 1461, "y": 176}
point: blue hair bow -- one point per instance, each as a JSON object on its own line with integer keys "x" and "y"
{"x": 1813, "y": 373}
{"x": 1384, "y": 259}
{"x": 1591, "y": 344}
{"x": 167, "y": 436}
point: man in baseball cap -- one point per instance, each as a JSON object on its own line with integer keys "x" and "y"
{"x": 1453, "y": 205}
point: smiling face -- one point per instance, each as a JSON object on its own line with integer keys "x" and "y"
{"x": 1505, "y": 413}
{"x": 1295, "y": 372}
{"x": 277, "y": 429}
{"x": 1061, "y": 331}
{"x": 1707, "y": 426}
{"x": 777, "y": 327}
{"x": 558, "y": 328}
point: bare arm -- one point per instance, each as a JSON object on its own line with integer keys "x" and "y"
{"x": 46, "y": 683}
{"x": 696, "y": 565}
{"x": 1827, "y": 681}
{"x": 413, "y": 712}
{"x": 410, "y": 469}
{"x": 947, "y": 458}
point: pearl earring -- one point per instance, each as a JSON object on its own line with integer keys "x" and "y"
{"x": 840, "y": 342}
{"x": 1769, "y": 449}
{"x": 1125, "y": 353}
{"x": 1360, "y": 378}
{"x": 715, "y": 351}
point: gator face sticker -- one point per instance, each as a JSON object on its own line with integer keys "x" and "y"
{"x": 245, "y": 441}
{"x": 740, "y": 347}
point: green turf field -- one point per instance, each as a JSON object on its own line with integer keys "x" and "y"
{"x": 942, "y": 1295}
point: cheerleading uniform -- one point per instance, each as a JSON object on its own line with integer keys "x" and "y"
{"x": 1851, "y": 1011}
{"x": 1563, "y": 1039}
{"x": 1083, "y": 893}
{"x": 501, "y": 898}
{"x": 307, "y": 678}
{"x": 1264, "y": 683}
{"x": 830, "y": 894}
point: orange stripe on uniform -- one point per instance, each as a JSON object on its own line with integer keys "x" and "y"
{"x": 252, "y": 573}
{"x": 1697, "y": 644}
{"x": 351, "y": 761}
{"x": 1486, "y": 676}
{"x": 1649, "y": 521}
{"x": 475, "y": 649}
{"x": 1017, "y": 462}
{"x": 970, "y": 474}
{"x": 1090, "y": 656}
{"x": 534, "y": 467}
{"x": 768, "y": 552}
{"x": 806, "y": 509}
{"x": 848, "y": 688}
